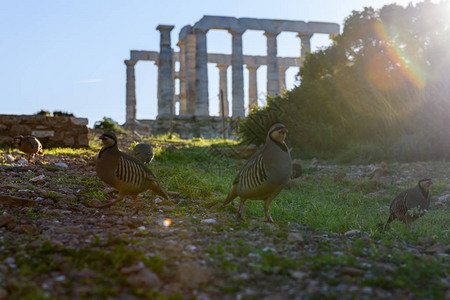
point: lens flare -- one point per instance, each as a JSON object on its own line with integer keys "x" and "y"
{"x": 411, "y": 70}
{"x": 167, "y": 222}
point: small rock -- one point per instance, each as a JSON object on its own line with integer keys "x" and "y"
{"x": 352, "y": 271}
{"x": 94, "y": 203}
{"x": 292, "y": 185}
{"x": 192, "y": 274}
{"x": 9, "y": 158}
{"x": 435, "y": 249}
{"x": 295, "y": 237}
{"x": 144, "y": 279}
{"x": 3, "y": 294}
{"x": 39, "y": 178}
{"x": 8, "y": 221}
{"x": 339, "y": 176}
{"x": 132, "y": 269}
{"x": 27, "y": 229}
{"x": 352, "y": 232}
{"x": 299, "y": 275}
{"x": 61, "y": 165}
{"x": 22, "y": 161}
{"x": 208, "y": 221}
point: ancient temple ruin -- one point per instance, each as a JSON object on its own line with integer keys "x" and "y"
{"x": 193, "y": 58}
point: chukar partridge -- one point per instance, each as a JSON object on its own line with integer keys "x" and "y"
{"x": 127, "y": 174}
{"x": 28, "y": 144}
{"x": 265, "y": 173}
{"x": 143, "y": 152}
{"x": 410, "y": 204}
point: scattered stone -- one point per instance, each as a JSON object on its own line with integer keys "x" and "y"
{"x": 352, "y": 232}
{"x": 94, "y": 203}
{"x": 62, "y": 165}
{"x": 299, "y": 275}
{"x": 39, "y": 178}
{"x": 27, "y": 229}
{"x": 435, "y": 249}
{"x": 339, "y": 177}
{"x": 295, "y": 237}
{"x": 292, "y": 185}
{"x": 22, "y": 161}
{"x": 132, "y": 269}
{"x": 208, "y": 221}
{"x": 145, "y": 279}
{"x": 192, "y": 274}
{"x": 3, "y": 294}
{"x": 352, "y": 271}
{"x": 9, "y": 158}
{"x": 7, "y": 221}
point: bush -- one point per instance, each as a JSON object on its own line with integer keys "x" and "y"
{"x": 57, "y": 113}
{"x": 108, "y": 124}
{"x": 43, "y": 113}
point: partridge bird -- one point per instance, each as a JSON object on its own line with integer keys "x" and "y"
{"x": 265, "y": 173}
{"x": 28, "y": 144}
{"x": 410, "y": 204}
{"x": 127, "y": 174}
{"x": 143, "y": 152}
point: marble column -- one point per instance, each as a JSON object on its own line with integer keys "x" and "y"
{"x": 305, "y": 40}
{"x": 130, "y": 100}
{"x": 182, "y": 77}
{"x": 237, "y": 73}
{"x": 252, "y": 86}
{"x": 282, "y": 78}
{"x": 201, "y": 74}
{"x": 189, "y": 55}
{"x": 165, "y": 74}
{"x": 273, "y": 86}
{"x": 223, "y": 85}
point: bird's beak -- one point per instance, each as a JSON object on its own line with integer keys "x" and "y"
{"x": 102, "y": 137}
{"x": 283, "y": 130}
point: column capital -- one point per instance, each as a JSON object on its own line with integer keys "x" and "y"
{"x": 252, "y": 67}
{"x": 200, "y": 30}
{"x": 304, "y": 35}
{"x": 165, "y": 27}
{"x": 222, "y": 66}
{"x": 236, "y": 31}
{"x": 271, "y": 33}
{"x": 130, "y": 63}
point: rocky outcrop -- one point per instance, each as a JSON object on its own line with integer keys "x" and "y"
{"x": 59, "y": 131}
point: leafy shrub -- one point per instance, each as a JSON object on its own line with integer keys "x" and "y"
{"x": 43, "y": 113}
{"x": 108, "y": 124}
{"x": 57, "y": 113}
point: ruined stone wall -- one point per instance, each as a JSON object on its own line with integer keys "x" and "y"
{"x": 188, "y": 128}
{"x": 60, "y": 131}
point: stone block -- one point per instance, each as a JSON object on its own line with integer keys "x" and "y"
{"x": 82, "y": 141}
{"x": 79, "y": 121}
{"x": 19, "y": 129}
{"x": 43, "y": 133}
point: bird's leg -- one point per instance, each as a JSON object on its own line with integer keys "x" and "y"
{"x": 136, "y": 210}
{"x": 112, "y": 202}
{"x": 241, "y": 207}
{"x": 266, "y": 209}
{"x": 266, "y": 212}
{"x": 391, "y": 218}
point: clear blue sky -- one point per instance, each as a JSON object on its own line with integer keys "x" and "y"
{"x": 68, "y": 55}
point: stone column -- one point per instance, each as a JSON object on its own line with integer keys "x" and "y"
{"x": 305, "y": 40}
{"x": 224, "y": 87}
{"x": 165, "y": 74}
{"x": 282, "y": 78}
{"x": 252, "y": 86}
{"x": 182, "y": 76}
{"x": 189, "y": 55}
{"x": 130, "y": 101}
{"x": 237, "y": 73}
{"x": 201, "y": 74}
{"x": 273, "y": 87}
